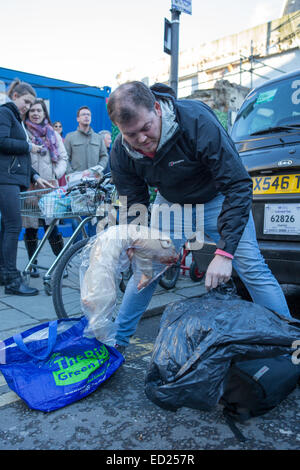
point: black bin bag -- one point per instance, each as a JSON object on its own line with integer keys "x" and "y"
{"x": 201, "y": 339}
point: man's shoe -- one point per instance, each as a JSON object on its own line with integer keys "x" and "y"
{"x": 19, "y": 287}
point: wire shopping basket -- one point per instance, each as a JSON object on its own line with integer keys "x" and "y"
{"x": 59, "y": 203}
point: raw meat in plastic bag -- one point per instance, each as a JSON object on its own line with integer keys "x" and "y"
{"x": 105, "y": 259}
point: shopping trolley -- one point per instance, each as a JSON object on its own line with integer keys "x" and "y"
{"x": 81, "y": 202}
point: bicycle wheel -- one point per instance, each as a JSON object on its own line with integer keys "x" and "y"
{"x": 169, "y": 278}
{"x": 195, "y": 274}
{"x": 66, "y": 290}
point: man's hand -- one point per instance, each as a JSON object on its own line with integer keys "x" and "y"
{"x": 41, "y": 183}
{"x": 218, "y": 271}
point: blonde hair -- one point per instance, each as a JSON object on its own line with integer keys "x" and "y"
{"x": 21, "y": 88}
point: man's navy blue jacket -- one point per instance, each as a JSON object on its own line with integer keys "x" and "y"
{"x": 15, "y": 159}
{"x": 198, "y": 162}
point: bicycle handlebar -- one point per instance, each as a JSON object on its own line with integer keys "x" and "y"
{"x": 93, "y": 184}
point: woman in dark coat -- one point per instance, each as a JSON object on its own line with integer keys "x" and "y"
{"x": 16, "y": 174}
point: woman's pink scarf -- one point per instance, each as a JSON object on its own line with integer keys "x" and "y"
{"x": 44, "y": 134}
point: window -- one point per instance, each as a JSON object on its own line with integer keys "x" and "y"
{"x": 273, "y": 105}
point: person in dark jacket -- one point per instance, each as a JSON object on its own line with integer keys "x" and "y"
{"x": 180, "y": 147}
{"x": 16, "y": 174}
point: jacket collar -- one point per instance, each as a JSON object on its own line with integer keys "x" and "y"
{"x": 11, "y": 105}
{"x": 89, "y": 132}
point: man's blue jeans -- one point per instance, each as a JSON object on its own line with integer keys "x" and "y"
{"x": 248, "y": 263}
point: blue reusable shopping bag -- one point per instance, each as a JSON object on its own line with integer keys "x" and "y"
{"x": 53, "y": 364}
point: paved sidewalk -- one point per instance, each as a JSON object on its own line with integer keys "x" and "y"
{"x": 19, "y": 313}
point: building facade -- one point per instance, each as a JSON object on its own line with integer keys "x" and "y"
{"x": 247, "y": 58}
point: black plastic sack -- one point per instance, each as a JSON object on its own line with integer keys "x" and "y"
{"x": 198, "y": 340}
{"x": 255, "y": 387}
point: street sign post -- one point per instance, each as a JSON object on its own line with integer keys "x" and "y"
{"x": 171, "y": 37}
{"x": 174, "y": 50}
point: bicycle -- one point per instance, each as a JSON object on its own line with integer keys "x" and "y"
{"x": 79, "y": 202}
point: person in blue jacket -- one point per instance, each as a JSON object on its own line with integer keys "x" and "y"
{"x": 16, "y": 174}
{"x": 180, "y": 147}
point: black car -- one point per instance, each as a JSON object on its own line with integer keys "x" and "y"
{"x": 266, "y": 133}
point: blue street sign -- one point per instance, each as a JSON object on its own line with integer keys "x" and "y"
{"x": 182, "y": 5}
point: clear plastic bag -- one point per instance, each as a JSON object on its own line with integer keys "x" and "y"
{"x": 103, "y": 260}
{"x": 84, "y": 202}
{"x": 56, "y": 203}
{"x": 77, "y": 177}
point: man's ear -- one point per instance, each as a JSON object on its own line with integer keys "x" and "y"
{"x": 157, "y": 108}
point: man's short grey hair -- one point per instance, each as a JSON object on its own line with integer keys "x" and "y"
{"x": 123, "y": 103}
{"x": 104, "y": 132}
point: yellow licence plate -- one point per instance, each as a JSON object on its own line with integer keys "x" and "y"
{"x": 281, "y": 184}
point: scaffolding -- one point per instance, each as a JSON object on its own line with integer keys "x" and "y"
{"x": 287, "y": 31}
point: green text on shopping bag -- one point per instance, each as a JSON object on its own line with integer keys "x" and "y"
{"x": 75, "y": 369}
